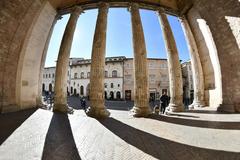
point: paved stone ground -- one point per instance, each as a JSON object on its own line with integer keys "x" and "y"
{"x": 194, "y": 135}
{"x": 115, "y": 105}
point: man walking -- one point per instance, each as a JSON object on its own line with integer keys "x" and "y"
{"x": 164, "y": 101}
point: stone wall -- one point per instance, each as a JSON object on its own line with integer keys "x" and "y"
{"x": 17, "y": 18}
{"x": 218, "y": 16}
{"x": 31, "y": 57}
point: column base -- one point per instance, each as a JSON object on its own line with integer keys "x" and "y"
{"x": 140, "y": 111}
{"x": 174, "y": 108}
{"x": 97, "y": 112}
{"x": 226, "y": 108}
{"x": 63, "y": 108}
{"x": 196, "y": 105}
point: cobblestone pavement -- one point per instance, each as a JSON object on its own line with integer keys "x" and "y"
{"x": 115, "y": 105}
{"x": 194, "y": 135}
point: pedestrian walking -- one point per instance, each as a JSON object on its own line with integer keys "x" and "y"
{"x": 164, "y": 101}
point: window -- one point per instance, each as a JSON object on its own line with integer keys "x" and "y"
{"x": 49, "y": 75}
{"x": 105, "y": 85}
{"x": 106, "y": 73}
{"x": 46, "y": 76}
{"x": 118, "y": 85}
{"x": 88, "y": 74}
{"x": 75, "y": 75}
{"x": 82, "y": 74}
{"x": 111, "y": 85}
{"x": 114, "y": 73}
{"x": 53, "y": 75}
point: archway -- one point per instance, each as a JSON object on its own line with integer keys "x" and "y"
{"x": 75, "y": 92}
{"x": 118, "y": 95}
{"x": 50, "y": 87}
{"x": 111, "y": 95}
{"x": 81, "y": 90}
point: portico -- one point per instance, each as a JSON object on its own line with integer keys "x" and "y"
{"x": 208, "y": 55}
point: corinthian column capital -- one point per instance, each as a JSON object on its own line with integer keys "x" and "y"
{"x": 160, "y": 10}
{"x": 103, "y": 6}
{"x": 77, "y": 10}
{"x": 133, "y": 6}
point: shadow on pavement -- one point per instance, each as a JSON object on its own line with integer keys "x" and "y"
{"x": 161, "y": 148}
{"x": 208, "y": 112}
{"x": 9, "y": 122}
{"x": 59, "y": 142}
{"x": 197, "y": 123}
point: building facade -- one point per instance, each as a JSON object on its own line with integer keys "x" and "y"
{"x": 119, "y": 77}
{"x": 48, "y": 79}
{"x": 80, "y": 77}
{"x": 158, "y": 79}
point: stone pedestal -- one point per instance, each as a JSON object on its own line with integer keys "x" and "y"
{"x": 174, "y": 66}
{"x": 60, "y": 97}
{"x": 141, "y": 103}
{"x": 97, "y": 106}
{"x": 198, "y": 80}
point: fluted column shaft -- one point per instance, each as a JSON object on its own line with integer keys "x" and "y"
{"x": 97, "y": 107}
{"x": 141, "y": 102}
{"x": 60, "y": 98}
{"x": 174, "y": 66}
{"x": 198, "y": 80}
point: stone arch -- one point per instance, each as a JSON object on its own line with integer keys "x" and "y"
{"x": 30, "y": 65}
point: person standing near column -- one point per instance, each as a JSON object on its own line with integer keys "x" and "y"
{"x": 174, "y": 66}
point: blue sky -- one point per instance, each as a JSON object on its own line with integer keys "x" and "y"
{"x": 119, "y": 35}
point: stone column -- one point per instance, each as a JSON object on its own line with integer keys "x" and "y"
{"x": 97, "y": 106}
{"x": 141, "y": 103}
{"x": 174, "y": 66}
{"x": 198, "y": 80}
{"x": 60, "y": 98}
